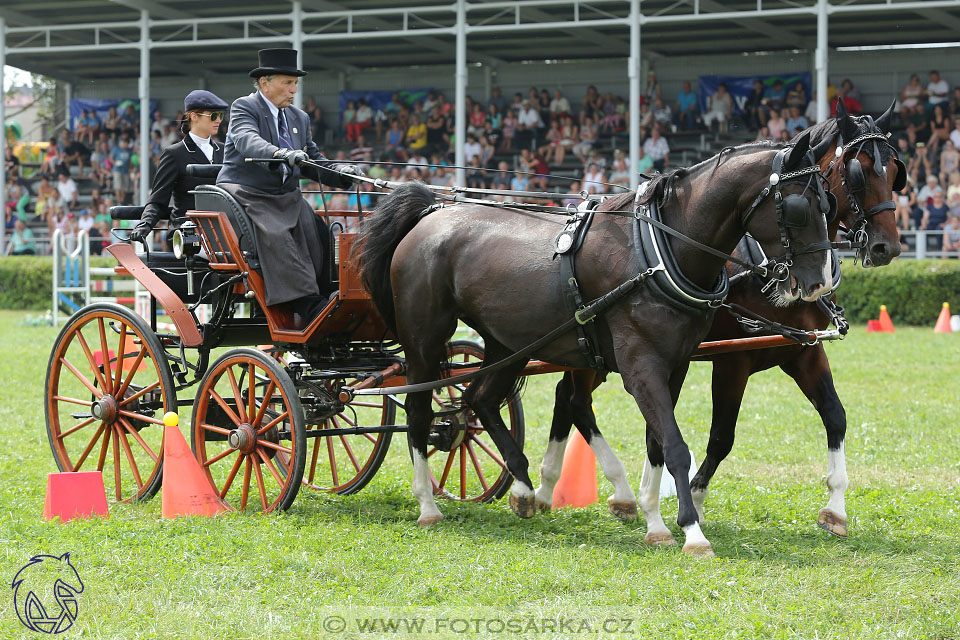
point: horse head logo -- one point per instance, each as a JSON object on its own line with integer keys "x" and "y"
{"x": 45, "y": 594}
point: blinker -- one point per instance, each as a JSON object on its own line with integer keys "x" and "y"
{"x": 796, "y": 211}
{"x": 855, "y": 177}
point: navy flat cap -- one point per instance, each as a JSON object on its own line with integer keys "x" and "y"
{"x": 200, "y": 99}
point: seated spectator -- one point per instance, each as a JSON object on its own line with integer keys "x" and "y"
{"x": 754, "y": 109}
{"x": 775, "y": 124}
{"x": 528, "y": 122}
{"x": 644, "y": 163}
{"x": 490, "y": 135}
{"x": 593, "y": 180}
{"x": 501, "y": 177}
{"x": 120, "y": 161}
{"x": 51, "y": 160}
{"x": 552, "y": 141}
{"x": 472, "y": 148}
{"x": 47, "y": 196}
{"x": 810, "y": 113}
{"x": 774, "y": 96}
{"x": 156, "y": 126}
{"x": 935, "y": 216}
{"x": 416, "y": 135}
{"x": 446, "y": 109}
{"x": 940, "y": 126}
{"x": 362, "y": 152}
{"x": 521, "y": 181}
{"x": 349, "y": 121}
{"x": 719, "y": 108}
{"x": 657, "y": 148}
{"x": 539, "y": 168}
{"x": 591, "y": 106}
{"x": 852, "y": 104}
{"x": 763, "y": 135}
{"x": 85, "y": 221}
{"x": 111, "y": 124}
{"x": 497, "y": 99}
{"x": 949, "y": 161}
{"x": 416, "y": 163}
{"x": 925, "y": 195}
{"x": 130, "y": 122}
{"x": 849, "y": 90}
{"x": 21, "y": 241}
{"x": 651, "y": 91}
{"x": 494, "y": 118}
{"x": 796, "y": 122}
{"x": 156, "y": 149}
{"x": 476, "y": 175}
{"x": 611, "y": 121}
{"x": 572, "y": 199}
{"x": 662, "y": 115}
{"x": 438, "y": 133}
{"x": 559, "y": 107}
{"x": 954, "y": 187}
{"x": 18, "y": 194}
{"x": 509, "y": 130}
{"x": 588, "y": 137}
{"x": 620, "y": 173}
{"x": 394, "y": 140}
{"x": 365, "y": 199}
{"x": 364, "y": 117}
{"x": 75, "y": 153}
{"x": 938, "y": 91}
{"x": 686, "y": 108}
{"x": 911, "y": 104}
{"x": 87, "y": 126}
{"x": 646, "y": 120}
{"x": 10, "y": 218}
{"x": 476, "y": 119}
{"x": 797, "y": 97}
{"x": 318, "y": 124}
{"x": 68, "y": 190}
{"x": 951, "y": 237}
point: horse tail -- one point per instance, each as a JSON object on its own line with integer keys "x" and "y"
{"x": 379, "y": 236}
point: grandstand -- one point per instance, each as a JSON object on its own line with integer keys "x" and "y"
{"x": 153, "y": 52}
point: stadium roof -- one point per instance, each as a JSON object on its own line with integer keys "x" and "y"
{"x": 88, "y": 39}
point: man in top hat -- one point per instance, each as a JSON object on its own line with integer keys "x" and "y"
{"x": 203, "y": 113}
{"x": 290, "y": 236}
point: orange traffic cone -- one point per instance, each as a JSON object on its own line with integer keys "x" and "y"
{"x": 886, "y": 324}
{"x": 873, "y": 326}
{"x": 186, "y": 489}
{"x": 943, "y": 322}
{"x": 75, "y": 494}
{"x": 577, "y": 486}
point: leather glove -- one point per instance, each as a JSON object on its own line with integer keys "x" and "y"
{"x": 292, "y": 157}
{"x": 139, "y": 232}
{"x": 348, "y": 170}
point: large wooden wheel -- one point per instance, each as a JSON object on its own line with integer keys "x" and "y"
{"x": 107, "y": 388}
{"x": 464, "y": 461}
{"x": 246, "y": 413}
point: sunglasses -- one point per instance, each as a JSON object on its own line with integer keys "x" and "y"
{"x": 213, "y": 115}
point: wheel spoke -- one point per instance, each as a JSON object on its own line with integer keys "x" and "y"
{"x": 231, "y": 475}
{"x": 96, "y": 392}
{"x": 210, "y": 427}
{"x": 85, "y": 403}
{"x": 116, "y": 464}
{"x": 237, "y": 395}
{"x": 261, "y": 488}
{"x": 103, "y": 450}
{"x": 273, "y": 470}
{"x": 245, "y": 490}
{"x": 270, "y": 425}
{"x": 226, "y": 407}
{"x": 120, "y": 354}
{"x": 353, "y": 458}
{"x": 145, "y": 390}
{"x": 86, "y": 422}
{"x": 490, "y": 452}
{"x": 372, "y": 405}
{"x": 313, "y": 460}
{"x": 476, "y": 465}
{"x": 463, "y": 473}
{"x": 105, "y": 355}
{"x": 333, "y": 462}
{"x": 267, "y": 395}
{"x": 446, "y": 469}
{"x": 91, "y": 359}
{"x": 277, "y": 447}
{"x": 252, "y": 393}
{"x": 432, "y": 451}
{"x": 141, "y": 417}
{"x": 136, "y": 436}
{"x": 218, "y": 457}
{"x": 370, "y": 437}
{"x": 133, "y": 463}
{"x": 133, "y": 371}
{"x": 86, "y": 452}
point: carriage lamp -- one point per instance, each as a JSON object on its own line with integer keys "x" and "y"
{"x": 186, "y": 240}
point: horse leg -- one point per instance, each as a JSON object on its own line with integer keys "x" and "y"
{"x": 649, "y": 501}
{"x": 485, "y": 396}
{"x": 730, "y": 374}
{"x": 811, "y": 371}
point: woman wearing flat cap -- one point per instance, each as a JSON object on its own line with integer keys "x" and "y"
{"x": 203, "y": 114}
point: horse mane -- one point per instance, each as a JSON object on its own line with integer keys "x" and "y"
{"x": 829, "y": 129}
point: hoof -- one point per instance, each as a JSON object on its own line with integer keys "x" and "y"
{"x": 698, "y": 549}
{"x": 832, "y": 523}
{"x": 543, "y": 507}
{"x": 523, "y": 507}
{"x": 426, "y": 521}
{"x": 623, "y": 510}
{"x": 660, "y": 539}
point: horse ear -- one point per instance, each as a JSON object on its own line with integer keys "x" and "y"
{"x": 846, "y": 125}
{"x": 798, "y": 152}
{"x": 822, "y": 149}
{"x": 883, "y": 122}
{"x": 65, "y": 557}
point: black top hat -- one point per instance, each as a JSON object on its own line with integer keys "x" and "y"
{"x": 281, "y": 61}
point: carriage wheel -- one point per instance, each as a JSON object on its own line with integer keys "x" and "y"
{"x": 107, "y": 388}
{"x": 246, "y": 413}
{"x": 469, "y": 467}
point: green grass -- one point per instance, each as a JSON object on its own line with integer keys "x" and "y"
{"x": 776, "y": 574}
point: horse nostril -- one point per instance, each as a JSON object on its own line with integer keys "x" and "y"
{"x": 879, "y": 249}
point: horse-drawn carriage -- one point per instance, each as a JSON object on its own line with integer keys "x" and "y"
{"x": 317, "y": 405}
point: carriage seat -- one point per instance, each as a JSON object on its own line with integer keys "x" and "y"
{"x": 210, "y": 197}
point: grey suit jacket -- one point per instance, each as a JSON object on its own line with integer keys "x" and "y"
{"x": 252, "y": 134}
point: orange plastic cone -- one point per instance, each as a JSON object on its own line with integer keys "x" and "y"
{"x": 75, "y": 494}
{"x": 943, "y": 322}
{"x": 577, "y": 486}
{"x": 186, "y": 489}
{"x": 886, "y": 324}
{"x": 873, "y": 326}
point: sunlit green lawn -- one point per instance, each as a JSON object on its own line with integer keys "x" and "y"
{"x": 332, "y": 559}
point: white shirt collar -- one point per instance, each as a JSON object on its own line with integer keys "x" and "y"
{"x": 274, "y": 110}
{"x": 201, "y": 142}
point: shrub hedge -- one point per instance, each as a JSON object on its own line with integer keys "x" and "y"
{"x": 913, "y": 290}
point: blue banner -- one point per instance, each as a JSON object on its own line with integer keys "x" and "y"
{"x": 378, "y": 100}
{"x": 102, "y": 106}
{"x": 740, "y": 87}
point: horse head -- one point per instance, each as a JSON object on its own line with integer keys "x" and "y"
{"x": 864, "y": 171}
{"x": 789, "y": 220}
{"x": 40, "y": 587}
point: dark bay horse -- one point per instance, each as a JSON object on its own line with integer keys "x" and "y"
{"x": 869, "y": 212}
{"x": 426, "y": 267}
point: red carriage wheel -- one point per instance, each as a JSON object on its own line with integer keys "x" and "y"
{"x": 107, "y": 388}
{"x": 464, "y": 461}
{"x": 248, "y": 431}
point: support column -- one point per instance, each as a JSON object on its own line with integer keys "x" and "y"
{"x": 144, "y": 105}
{"x": 3, "y": 138}
{"x": 633, "y": 72}
{"x": 461, "y": 92}
{"x": 822, "y": 57}
{"x": 297, "y": 33}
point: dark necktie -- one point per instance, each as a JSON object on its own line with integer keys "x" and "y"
{"x": 285, "y": 140}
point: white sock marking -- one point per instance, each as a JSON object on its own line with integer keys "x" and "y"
{"x": 613, "y": 469}
{"x": 550, "y": 470}
{"x": 649, "y": 501}
{"x": 422, "y": 487}
{"x": 837, "y": 481}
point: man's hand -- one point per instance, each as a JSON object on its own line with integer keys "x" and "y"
{"x": 347, "y": 171}
{"x": 139, "y": 232}
{"x": 292, "y": 157}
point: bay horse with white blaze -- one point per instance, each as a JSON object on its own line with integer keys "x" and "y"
{"x": 427, "y": 266}
{"x": 860, "y": 166}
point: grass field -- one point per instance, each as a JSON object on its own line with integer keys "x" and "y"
{"x": 332, "y": 566}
